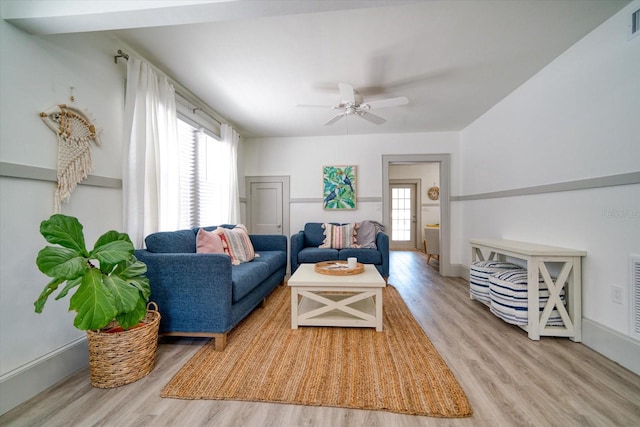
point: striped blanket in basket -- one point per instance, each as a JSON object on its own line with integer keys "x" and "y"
{"x": 508, "y": 294}
{"x": 479, "y": 277}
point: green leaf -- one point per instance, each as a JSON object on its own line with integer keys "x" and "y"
{"x": 95, "y": 305}
{"x": 61, "y": 263}
{"x": 65, "y": 231}
{"x": 48, "y": 290}
{"x": 126, "y": 296}
{"x": 133, "y": 273}
{"x": 111, "y": 236}
{"x": 132, "y": 268}
{"x": 134, "y": 317}
{"x": 70, "y": 285}
{"x": 142, "y": 284}
{"x": 112, "y": 253}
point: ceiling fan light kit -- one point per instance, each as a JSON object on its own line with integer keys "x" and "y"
{"x": 352, "y": 104}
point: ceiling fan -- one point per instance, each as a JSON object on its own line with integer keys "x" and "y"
{"x": 352, "y": 104}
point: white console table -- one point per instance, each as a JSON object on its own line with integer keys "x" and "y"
{"x": 537, "y": 257}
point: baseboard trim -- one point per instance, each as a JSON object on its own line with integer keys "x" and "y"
{"x": 25, "y": 382}
{"x": 618, "y": 347}
{"x": 459, "y": 270}
{"x": 462, "y": 270}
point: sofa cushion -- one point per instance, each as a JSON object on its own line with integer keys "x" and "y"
{"x": 181, "y": 241}
{"x": 364, "y": 256}
{"x": 339, "y": 236}
{"x": 275, "y": 260}
{"x": 367, "y": 233}
{"x": 208, "y": 242}
{"x": 313, "y": 234}
{"x": 245, "y": 277}
{"x": 313, "y": 255}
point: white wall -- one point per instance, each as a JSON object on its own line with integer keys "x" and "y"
{"x": 303, "y": 158}
{"x": 576, "y": 119}
{"x": 36, "y": 74}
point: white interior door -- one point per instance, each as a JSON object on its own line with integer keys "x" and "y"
{"x": 403, "y": 211}
{"x": 266, "y": 207}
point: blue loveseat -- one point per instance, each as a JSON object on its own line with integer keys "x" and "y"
{"x": 204, "y": 295}
{"x": 305, "y": 249}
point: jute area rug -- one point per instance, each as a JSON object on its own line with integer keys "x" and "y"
{"x": 397, "y": 370}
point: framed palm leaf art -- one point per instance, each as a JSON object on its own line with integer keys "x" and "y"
{"x": 339, "y": 187}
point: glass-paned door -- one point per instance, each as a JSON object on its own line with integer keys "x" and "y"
{"x": 403, "y": 216}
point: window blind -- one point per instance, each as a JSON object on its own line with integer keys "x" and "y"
{"x": 200, "y": 153}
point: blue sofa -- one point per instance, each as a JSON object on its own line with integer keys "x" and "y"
{"x": 204, "y": 295}
{"x": 305, "y": 249}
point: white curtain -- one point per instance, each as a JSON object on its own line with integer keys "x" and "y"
{"x": 150, "y": 177}
{"x": 229, "y": 192}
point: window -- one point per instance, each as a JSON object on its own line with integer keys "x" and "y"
{"x": 401, "y": 214}
{"x": 634, "y": 24}
{"x": 201, "y": 178}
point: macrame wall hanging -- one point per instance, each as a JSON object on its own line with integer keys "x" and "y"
{"x": 75, "y": 131}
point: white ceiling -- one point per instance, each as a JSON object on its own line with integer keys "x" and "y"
{"x": 254, "y": 61}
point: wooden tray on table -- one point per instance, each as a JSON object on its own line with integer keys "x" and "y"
{"x": 338, "y": 268}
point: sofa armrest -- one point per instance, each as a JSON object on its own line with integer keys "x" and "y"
{"x": 268, "y": 242}
{"x": 297, "y": 244}
{"x": 382, "y": 242}
{"x": 193, "y": 291}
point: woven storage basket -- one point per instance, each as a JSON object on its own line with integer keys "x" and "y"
{"x": 119, "y": 358}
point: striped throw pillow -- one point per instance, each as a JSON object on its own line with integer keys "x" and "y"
{"x": 237, "y": 244}
{"x": 339, "y": 236}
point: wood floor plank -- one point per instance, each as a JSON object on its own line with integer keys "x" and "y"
{"x": 509, "y": 379}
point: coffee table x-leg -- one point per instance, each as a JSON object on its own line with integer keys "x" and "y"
{"x": 321, "y": 306}
{"x": 330, "y": 300}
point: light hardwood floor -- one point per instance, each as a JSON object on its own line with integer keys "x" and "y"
{"x": 509, "y": 379}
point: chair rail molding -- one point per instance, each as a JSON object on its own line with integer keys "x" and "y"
{"x": 15, "y": 170}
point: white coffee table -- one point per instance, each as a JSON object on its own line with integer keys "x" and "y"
{"x": 346, "y": 301}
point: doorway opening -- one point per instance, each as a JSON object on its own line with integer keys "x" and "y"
{"x": 437, "y": 210}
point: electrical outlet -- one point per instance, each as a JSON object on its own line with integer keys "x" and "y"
{"x": 616, "y": 294}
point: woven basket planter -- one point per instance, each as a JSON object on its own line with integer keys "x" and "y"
{"x": 119, "y": 358}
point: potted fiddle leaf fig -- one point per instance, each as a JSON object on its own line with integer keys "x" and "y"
{"x": 110, "y": 281}
{"x": 110, "y": 293}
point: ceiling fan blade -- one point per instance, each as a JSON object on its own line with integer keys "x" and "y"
{"x": 333, "y": 119}
{"x": 371, "y": 117}
{"x": 390, "y": 102}
{"x": 314, "y": 106}
{"x": 346, "y": 93}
